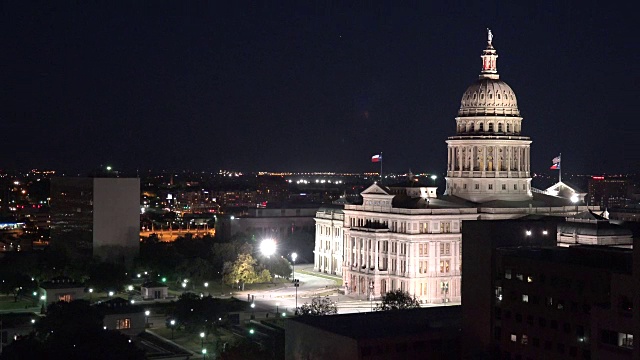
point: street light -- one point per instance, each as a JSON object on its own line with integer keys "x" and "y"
{"x": 202, "y": 334}
{"x": 268, "y": 247}
{"x": 110, "y": 293}
{"x": 296, "y": 283}
{"x": 173, "y": 322}
{"x": 434, "y": 177}
{"x": 204, "y": 353}
{"x": 294, "y": 256}
{"x": 146, "y": 317}
{"x": 253, "y": 314}
{"x": 277, "y": 309}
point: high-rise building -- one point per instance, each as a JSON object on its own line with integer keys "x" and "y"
{"x": 96, "y": 217}
{"x": 405, "y": 236}
{"x": 609, "y": 192}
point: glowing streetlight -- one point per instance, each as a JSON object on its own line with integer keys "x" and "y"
{"x": 130, "y": 288}
{"x": 574, "y": 198}
{"x": 172, "y": 322}
{"x": 110, "y": 293}
{"x": 202, "y": 335}
{"x": 109, "y": 168}
{"x": 146, "y": 317}
{"x": 268, "y": 247}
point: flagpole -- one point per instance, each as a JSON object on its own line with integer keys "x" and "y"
{"x": 381, "y": 166}
{"x": 560, "y": 169}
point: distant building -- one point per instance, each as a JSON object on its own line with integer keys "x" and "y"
{"x": 154, "y": 290}
{"x": 121, "y": 315}
{"x": 609, "y": 192}
{"x": 428, "y": 333}
{"x": 588, "y": 228}
{"x": 96, "y": 217}
{"x": 61, "y": 289}
{"x": 276, "y": 223}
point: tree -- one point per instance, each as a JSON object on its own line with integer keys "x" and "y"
{"x": 243, "y": 271}
{"x": 108, "y": 276}
{"x": 319, "y": 306}
{"x": 397, "y": 300}
{"x": 279, "y": 266}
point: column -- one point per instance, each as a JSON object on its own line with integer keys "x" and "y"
{"x": 376, "y": 254}
{"x": 519, "y": 160}
{"x": 449, "y": 158}
{"x": 484, "y": 162}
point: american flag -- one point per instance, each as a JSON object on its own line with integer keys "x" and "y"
{"x": 556, "y": 160}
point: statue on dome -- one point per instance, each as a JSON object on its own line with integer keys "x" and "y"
{"x": 489, "y": 35}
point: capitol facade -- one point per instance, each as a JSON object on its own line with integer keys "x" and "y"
{"x": 406, "y": 236}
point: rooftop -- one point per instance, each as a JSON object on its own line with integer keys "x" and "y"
{"x": 386, "y": 324}
{"x": 590, "y": 256}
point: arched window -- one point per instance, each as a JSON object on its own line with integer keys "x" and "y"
{"x": 490, "y": 96}
{"x": 469, "y": 127}
{"x": 482, "y": 96}
{"x": 490, "y": 127}
{"x": 480, "y": 127}
{"x": 507, "y": 127}
{"x": 498, "y": 95}
{"x": 474, "y": 96}
{"x": 499, "y": 127}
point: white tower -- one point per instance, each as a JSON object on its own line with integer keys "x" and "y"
{"x": 488, "y": 159}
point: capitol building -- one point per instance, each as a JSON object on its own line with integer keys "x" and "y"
{"x": 406, "y": 236}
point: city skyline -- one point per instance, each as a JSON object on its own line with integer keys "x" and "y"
{"x": 306, "y": 88}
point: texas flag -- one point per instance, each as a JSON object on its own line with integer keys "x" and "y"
{"x": 556, "y": 163}
{"x": 376, "y": 158}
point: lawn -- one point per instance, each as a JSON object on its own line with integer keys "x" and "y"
{"x": 7, "y": 303}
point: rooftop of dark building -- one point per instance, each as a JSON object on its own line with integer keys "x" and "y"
{"x": 386, "y": 324}
{"x": 617, "y": 260}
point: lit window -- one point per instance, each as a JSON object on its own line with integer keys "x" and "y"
{"x": 123, "y": 324}
{"x": 519, "y": 277}
{"x": 525, "y": 298}
{"x": 514, "y": 338}
{"x": 524, "y": 340}
{"x": 507, "y": 273}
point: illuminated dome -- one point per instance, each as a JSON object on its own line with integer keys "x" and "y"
{"x": 489, "y": 96}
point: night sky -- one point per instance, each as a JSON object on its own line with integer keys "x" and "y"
{"x": 298, "y": 87}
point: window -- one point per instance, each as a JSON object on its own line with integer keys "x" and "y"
{"x": 464, "y": 186}
{"x": 515, "y": 186}
{"x": 525, "y": 298}
{"x": 514, "y": 338}
{"x": 490, "y": 186}
{"x": 524, "y": 340}
{"x": 625, "y": 340}
{"x": 444, "y": 266}
{"x": 504, "y": 186}
{"x": 507, "y": 273}
{"x": 529, "y": 279}
{"x": 123, "y": 324}
{"x": 519, "y": 277}
{"x": 499, "y": 126}
{"x": 542, "y": 322}
{"x": 491, "y": 127}
{"x": 65, "y": 297}
{"x": 477, "y": 186}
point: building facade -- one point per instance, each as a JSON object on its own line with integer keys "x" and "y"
{"x": 407, "y": 237}
{"x": 96, "y": 217}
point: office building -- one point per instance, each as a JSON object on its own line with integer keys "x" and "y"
{"x": 97, "y": 217}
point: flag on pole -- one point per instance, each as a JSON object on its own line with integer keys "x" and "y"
{"x": 556, "y": 163}
{"x": 376, "y": 158}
